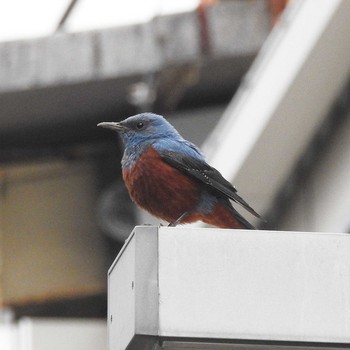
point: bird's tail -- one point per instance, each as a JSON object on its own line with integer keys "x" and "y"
{"x": 225, "y": 216}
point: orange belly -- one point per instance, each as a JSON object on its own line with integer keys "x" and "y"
{"x": 167, "y": 193}
{"x": 160, "y": 189}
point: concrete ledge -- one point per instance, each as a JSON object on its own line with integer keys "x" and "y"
{"x": 230, "y": 285}
{"x": 78, "y": 77}
{"x": 96, "y": 55}
{"x": 234, "y": 29}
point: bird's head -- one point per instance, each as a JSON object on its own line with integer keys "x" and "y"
{"x": 142, "y": 128}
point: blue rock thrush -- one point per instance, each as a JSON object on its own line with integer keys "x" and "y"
{"x": 169, "y": 177}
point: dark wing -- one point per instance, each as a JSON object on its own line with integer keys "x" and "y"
{"x": 202, "y": 171}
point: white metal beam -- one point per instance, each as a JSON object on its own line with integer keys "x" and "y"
{"x": 215, "y": 285}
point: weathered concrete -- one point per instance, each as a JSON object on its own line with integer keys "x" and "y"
{"x": 49, "y": 83}
{"x": 72, "y": 76}
{"x": 236, "y": 29}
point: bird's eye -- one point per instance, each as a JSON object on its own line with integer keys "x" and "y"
{"x": 139, "y": 125}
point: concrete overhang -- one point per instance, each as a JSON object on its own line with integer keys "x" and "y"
{"x": 66, "y": 78}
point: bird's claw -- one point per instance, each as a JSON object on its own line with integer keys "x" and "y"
{"x": 174, "y": 223}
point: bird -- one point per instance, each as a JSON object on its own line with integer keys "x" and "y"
{"x": 170, "y": 178}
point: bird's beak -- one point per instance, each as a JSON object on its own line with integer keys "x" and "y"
{"x": 112, "y": 125}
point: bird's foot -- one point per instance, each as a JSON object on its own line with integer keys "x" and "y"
{"x": 174, "y": 223}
